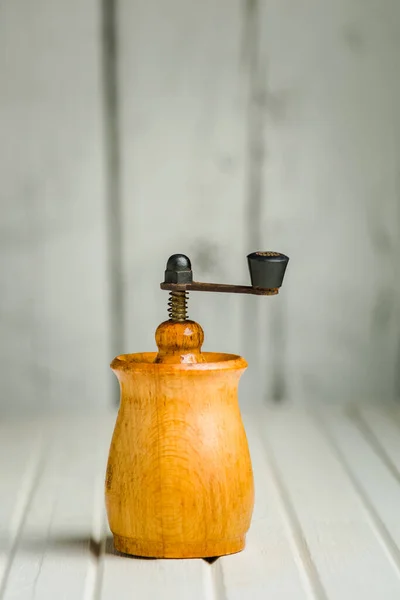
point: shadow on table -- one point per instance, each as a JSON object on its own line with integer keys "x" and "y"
{"x": 64, "y": 544}
{"x": 111, "y": 550}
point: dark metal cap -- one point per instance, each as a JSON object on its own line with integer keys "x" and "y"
{"x": 178, "y": 270}
{"x": 267, "y": 269}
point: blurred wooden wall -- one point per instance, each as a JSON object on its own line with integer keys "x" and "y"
{"x": 133, "y": 129}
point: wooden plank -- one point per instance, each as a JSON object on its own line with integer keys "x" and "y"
{"x": 325, "y": 523}
{"x": 378, "y": 489}
{"x": 126, "y": 578}
{"x": 328, "y": 90}
{"x": 58, "y": 548}
{"x": 383, "y": 430}
{"x": 269, "y": 566}
{"x": 53, "y": 234}
{"x": 21, "y": 450}
{"x": 183, "y": 148}
{"x": 336, "y": 528}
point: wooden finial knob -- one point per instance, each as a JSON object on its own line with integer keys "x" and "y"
{"x": 179, "y": 342}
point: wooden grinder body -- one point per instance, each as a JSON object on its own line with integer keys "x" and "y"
{"x": 179, "y": 480}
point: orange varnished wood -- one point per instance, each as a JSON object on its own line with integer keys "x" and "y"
{"x": 179, "y": 342}
{"x": 179, "y": 480}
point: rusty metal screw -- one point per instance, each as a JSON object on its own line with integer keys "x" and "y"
{"x": 179, "y": 270}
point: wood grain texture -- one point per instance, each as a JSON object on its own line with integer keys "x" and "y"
{"x": 324, "y": 497}
{"x": 54, "y": 313}
{"x": 179, "y": 342}
{"x": 179, "y": 479}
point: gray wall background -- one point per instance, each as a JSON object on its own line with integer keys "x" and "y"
{"x": 133, "y": 129}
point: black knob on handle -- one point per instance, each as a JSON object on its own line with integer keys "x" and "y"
{"x": 179, "y": 269}
{"x": 267, "y": 269}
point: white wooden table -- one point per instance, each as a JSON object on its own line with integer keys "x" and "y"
{"x": 326, "y": 523}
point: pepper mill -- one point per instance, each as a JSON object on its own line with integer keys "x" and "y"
{"x": 179, "y": 481}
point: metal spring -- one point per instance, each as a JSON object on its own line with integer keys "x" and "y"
{"x": 177, "y": 306}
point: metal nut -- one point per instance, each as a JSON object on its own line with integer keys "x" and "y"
{"x": 179, "y": 269}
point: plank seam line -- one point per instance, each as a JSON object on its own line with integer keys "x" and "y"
{"x": 96, "y": 592}
{"x": 112, "y": 159}
{"x": 254, "y": 138}
{"x": 378, "y": 527}
{"x": 256, "y": 150}
{"x": 215, "y": 586}
{"x": 31, "y": 478}
{"x": 94, "y": 577}
{"x": 370, "y": 437}
{"x": 302, "y": 555}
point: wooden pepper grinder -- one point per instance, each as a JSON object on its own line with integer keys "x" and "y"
{"x": 179, "y": 480}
